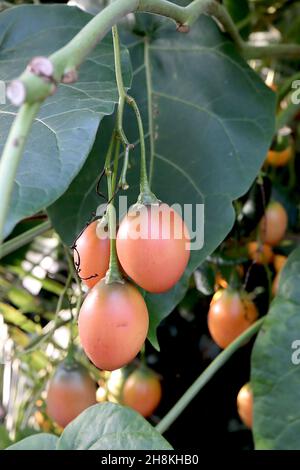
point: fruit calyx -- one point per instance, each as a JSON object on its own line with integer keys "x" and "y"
{"x": 146, "y": 198}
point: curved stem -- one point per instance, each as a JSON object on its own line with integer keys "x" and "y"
{"x": 120, "y": 86}
{"x": 124, "y": 98}
{"x": 11, "y": 156}
{"x": 217, "y": 10}
{"x": 109, "y": 153}
{"x": 70, "y": 57}
{"x": 113, "y": 274}
{"x": 144, "y": 183}
{"x": 75, "y": 276}
{"x": 208, "y": 373}
{"x": 22, "y": 240}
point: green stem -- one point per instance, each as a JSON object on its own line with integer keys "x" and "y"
{"x": 217, "y": 10}
{"x": 11, "y": 157}
{"x": 123, "y": 97}
{"x": 274, "y": 51}
{"x": 75, "y": 276}
{"x": 109, "y": 153}
{"x": 22, "y": 240}
{"x": 113, "y": 274}
{"x": 165, "y": 8}
{"x": 115, "y": 172}
{"x": 150, "y": 104}
{"x": 70, "y": 57}
{"x": 120, "y": 86}
{"x": 144, "y": 184}
{"x": 123, "y": 178}
{"x": 208, "y": 373}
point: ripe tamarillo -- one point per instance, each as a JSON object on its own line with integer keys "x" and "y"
{"x": 113, "y": 324}
{"x": 91, "y": 254}
{"x": 153, "y": 246}
{"x": 71, "y": 390}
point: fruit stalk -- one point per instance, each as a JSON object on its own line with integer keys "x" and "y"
{"x": 113, "y": 274}
{"x": 124, "y": 98}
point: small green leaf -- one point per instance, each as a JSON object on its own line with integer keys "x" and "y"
{"x": 275, "y": 373}
{"x": 111, "y": 427}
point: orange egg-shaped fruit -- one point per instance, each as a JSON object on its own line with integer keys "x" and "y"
{"x": 245, "y": 405}
{"x": 260, "y": 253}
{"x": 278, "y": 158}
{"x": 71, "y": 390}
{"x": 230, "y": 314}
{"x": 91, "y": 254}
{"x": 279, "y": 262}
{"x": 153, "y": 246}
{"x": 142, "y": 391}
{"x": 273, "y": 224}
{"x": 113, "y": 324}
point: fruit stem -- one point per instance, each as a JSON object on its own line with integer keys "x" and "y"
{"x": 123, "y": 182}
{"x": 109, "y": 154}
{"x": 206, "y": 375}
{"x": 69, "y": 359}
{"x": 146, "y": 196}
{"x": 113, "y": 274}
{"x": 143, "y": 357}
{"x": 120, "y": 86}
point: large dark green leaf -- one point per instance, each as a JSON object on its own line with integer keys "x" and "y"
{"x": 65, "y": 129}
{"x": 275, "y": 373}
{"x": 42, "y": 441}
{"x": 212, "y": 121}
{"x": 100, "y": 427}
{"x": 111, "y": 427}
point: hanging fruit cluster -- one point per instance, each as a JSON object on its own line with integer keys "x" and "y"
{"x": 150, "y": 252}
